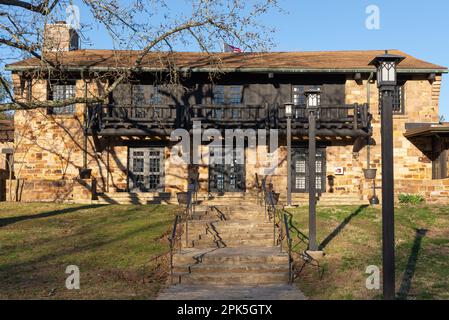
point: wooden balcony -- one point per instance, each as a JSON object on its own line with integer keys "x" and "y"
{"x": 346, "y": 120}
{"x": 229, "y": 116}
{"x": 109, "y": 120}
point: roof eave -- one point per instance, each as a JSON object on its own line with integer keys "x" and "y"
{"x": 426, "y": 131}
{"x": 254, "y": 70}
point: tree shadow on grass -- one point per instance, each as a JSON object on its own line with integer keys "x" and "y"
{"x": 342, "y": 225}
{"x": 411, "y": 265}
{"x": 10, "y": 220}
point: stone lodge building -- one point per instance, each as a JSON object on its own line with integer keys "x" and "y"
{"x": 125, "y": 142}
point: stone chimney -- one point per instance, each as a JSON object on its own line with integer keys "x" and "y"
{"x": 60, "y": 36}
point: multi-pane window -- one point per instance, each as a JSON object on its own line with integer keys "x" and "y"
{"x": 235, "y": 94}
{"x": 146, "y": 169}
{"x": 138, "y": 95}
{"x": 61, "y": 92}
{"x": 299, "y": 98}
{"x": 225, "y": 176}
{"x": 227, "y": 94}
{"x": 144, "y": 96}
{"x": 398, "y": 100}
{"x": 219, "y": 95}
{"x": 155, "y": 95}
{"x": 300, "y": 170}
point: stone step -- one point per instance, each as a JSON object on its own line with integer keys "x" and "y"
{"x": 229, "y": 234}
{"x": 245, "y": 234}
{"x": 227, "y": 268}
{"x": 232, "y": 243}
{"x": 229, "y": 216}
{"x": 134, "y": 198}
{"x": 247, "y": 255}
{"x": 242, "y": 225}
{"x": 255, "y": 278}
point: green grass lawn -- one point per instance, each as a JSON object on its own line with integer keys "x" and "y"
{"x": 111, "y": 244}
{"x": 351, "y": 239}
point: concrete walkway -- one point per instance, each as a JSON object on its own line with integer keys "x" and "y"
{"x": 234, "y": 292}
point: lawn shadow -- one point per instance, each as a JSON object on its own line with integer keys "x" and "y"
{"x": 411, "y": 265}
{"x": 10, "y": 220}
{"x": 342, "y": 225}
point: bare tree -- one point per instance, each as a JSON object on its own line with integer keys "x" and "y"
{"x": 145, "y": 25}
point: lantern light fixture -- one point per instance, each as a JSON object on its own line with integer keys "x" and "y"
{"x": 386, "y": 65}
{"x": 313, "y": 98}
{"x": 288, "y": 109}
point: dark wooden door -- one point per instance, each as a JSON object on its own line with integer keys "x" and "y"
{"x": 300, "y": 170}
{"x": 226, "y": 177}
{"x": 146, "y": 169}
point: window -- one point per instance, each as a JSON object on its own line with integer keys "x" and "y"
{"x": 143, "y": 95}
{"x": 300, "y": 170}
{"x": 299, "y": 99}
{"x": 398, "y": 100}
{"x": 227, "y": 94}
{"x": 60, "y": 92}
{"x": 235, "y": 95}
{"x": 138, "y": 96}
{"x": 146, "y": 169}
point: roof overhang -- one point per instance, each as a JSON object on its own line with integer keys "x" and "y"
{"x": 428, "y": 131}
{"x": 243, "y": 70}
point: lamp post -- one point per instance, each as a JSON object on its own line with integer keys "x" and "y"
{"x": 312, "y": 105}
{"x": 386, "y": 82}
{"x": 288, "y": 114}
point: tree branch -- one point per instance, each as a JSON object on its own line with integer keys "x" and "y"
{"x": 42, "y": 8}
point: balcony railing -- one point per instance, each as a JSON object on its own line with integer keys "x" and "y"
{"x": 333, "y": 120}
{"x": 229, "y": 116}
{"x": 122, "y": 120}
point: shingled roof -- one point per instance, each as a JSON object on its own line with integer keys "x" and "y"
{"x": 322, "y": 61}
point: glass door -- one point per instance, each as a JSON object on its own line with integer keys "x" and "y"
{"x": 146, "y": 169}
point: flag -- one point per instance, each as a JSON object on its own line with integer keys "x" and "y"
{"x": 229, "y": 48}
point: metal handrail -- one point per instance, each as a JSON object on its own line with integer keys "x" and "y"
{"x": 174, "y": 238}
{"x": 220, "y": 214}
{"x": 259, "y": 190}
{"x": 289, "y": 244}
{"x": 280, "y": 223}
{"x": 300, "y": 239}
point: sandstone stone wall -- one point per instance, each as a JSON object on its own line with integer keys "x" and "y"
{"x": 71, "y": 190}
{"x": 413, "y": 168}
{"x": 49, "y": 148}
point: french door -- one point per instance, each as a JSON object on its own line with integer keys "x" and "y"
{"x": 227, "y": 177}
{"x": 146, "y": 169}
{"x": 300, "y": 170}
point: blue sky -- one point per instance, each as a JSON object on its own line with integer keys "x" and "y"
{"x": 419, "y": 28}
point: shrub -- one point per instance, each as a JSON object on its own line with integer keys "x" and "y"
{"x": 410, "y": 198}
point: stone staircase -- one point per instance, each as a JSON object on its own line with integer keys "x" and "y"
{"x": 326, "y": 199}
{"x": 135, "y": 198}
{"x": 228, "y": 245}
